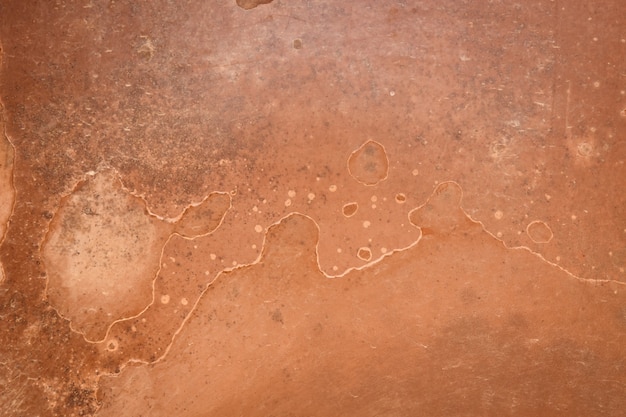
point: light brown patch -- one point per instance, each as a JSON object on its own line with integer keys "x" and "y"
{"x": 369, "y": 163}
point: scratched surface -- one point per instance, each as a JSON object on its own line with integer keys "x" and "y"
{"x": 379, "y": 208}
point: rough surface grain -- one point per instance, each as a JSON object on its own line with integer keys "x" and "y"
{"x": 312, "y": 208}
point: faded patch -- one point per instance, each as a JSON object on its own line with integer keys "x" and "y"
{"x": 101, "y": 253}
{"x": 7, "y": 192}
{"x": 369, "y": 164}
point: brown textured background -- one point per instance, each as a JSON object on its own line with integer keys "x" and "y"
{"x": 173, "y": 185}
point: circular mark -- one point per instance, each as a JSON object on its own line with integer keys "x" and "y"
{"x": 311, "y": 196}
{"x": 415, "y": 172}
{"x": 258, "y": 228}
{"x": 165, "y": 299}
{"x": 350, "y": 209}
{"x": 367, "y": 224}
{"x": 400, "y": 198}
{"x": 369, "y": 164}
{"x": 112, "y": 345}
{"x": 498, "y": 214}
{"x": 539, "y": 232}
{"x": 297, "y": 44}
{"x": 365, "y": 254}
{"x": 585, "y": 149}
{"x": 291, "y": 193}
{"x": 332, "y": 188}
{"x": 288, "y": 202}
{"x": 184, "y": 301}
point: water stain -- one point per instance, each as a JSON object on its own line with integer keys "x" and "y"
{"x": 204, "y": 108}
{"x": 364, "y": 254}
{"x": 539, "y": 232}
{"x": 103, "y": 249}
{"x": 349, "y": 209}
{"x": 251, "y": 4}
{"x": 369, "y": 164}
{"x": 363, "y": 314}
{"x": 7, "y": 192}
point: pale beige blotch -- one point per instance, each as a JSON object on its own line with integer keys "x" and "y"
{"x": 7, "y": 192}
{"x": 101, "y": 254}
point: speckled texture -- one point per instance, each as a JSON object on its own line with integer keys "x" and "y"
{"x": 312, "y": 207}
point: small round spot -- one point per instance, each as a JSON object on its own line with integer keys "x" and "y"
{"x": 415, "y": 172}
{"x": 367, "y": 224}
{"x": 383, "y": 250}
{"x": 392, "y": 93}
{"x": 332, "y": 188}
{"x": 498, "y": 214}
{"x": 287, "y": 202}
{"x": 335, "y": 268}
{"x": 213, "y": 256}
{"x": 253, "y": 246}
{"x": 112, "y": 345}
{"x": 184, "y": 301}
{"x": 596, "y": 84}
{"x": 297, "y": 44}
{"x": 165, "y": 299}
{"x": 311, "y": 196}
{"x": 364, "y": 254}
{"x": 539, "y": 232}
{"x": 258, "y": 228}
{"x": 291, "y": 193}
{"x": 339, "y": 250}
{"x": 207, "y": 272}
{"x": 400, "y": 198}
{"x": 499, "y": 235}
{"x": 349, "y": 209}
{"x": 373, "y": 199}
